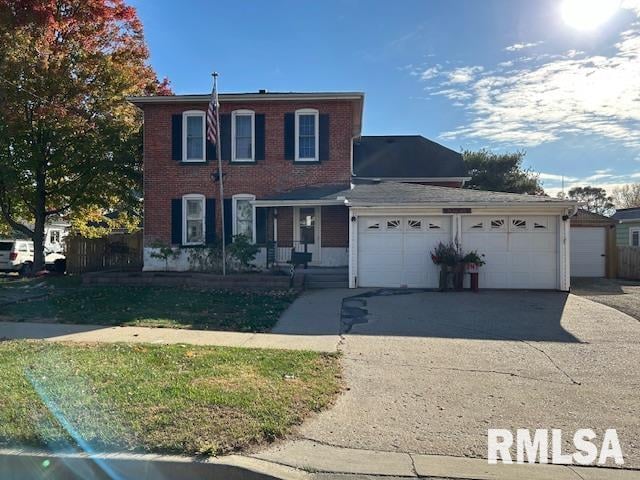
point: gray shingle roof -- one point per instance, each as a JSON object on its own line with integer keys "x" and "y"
{"x": 396, "y": 193}
{"x": 388, "y": 193}
{"x": 405, "y": 156}
{"x": 627, "y": 214}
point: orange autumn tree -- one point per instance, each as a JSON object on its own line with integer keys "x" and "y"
{"x": 69, "y": 142}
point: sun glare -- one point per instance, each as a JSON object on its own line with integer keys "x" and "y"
{"x": 588, "y": 14}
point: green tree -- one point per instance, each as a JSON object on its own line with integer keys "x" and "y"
{"x": 68, "y": 138}
{"x": 500, "y": 172}
{"x": 592, "y": 199}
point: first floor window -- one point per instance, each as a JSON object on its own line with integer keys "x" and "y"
{"x": 193, "y": 215}
{"x": 635, "y": 237}
{"x": 54, "y": 236}
{"x": 243, "y": 216}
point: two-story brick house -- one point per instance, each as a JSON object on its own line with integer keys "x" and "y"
{"x": 298, "y": 172}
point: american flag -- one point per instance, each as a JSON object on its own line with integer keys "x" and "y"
{"x": 212, "y": 117}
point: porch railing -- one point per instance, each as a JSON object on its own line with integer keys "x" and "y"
{"x": 282, "y": 254}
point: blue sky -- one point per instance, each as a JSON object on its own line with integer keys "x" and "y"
{"x": 501, "y": 74}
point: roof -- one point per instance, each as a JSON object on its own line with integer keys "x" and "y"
{"x": 390, "y": 193}
{"x": 586, "y": 218}
{"x": 405, "y": 156}
{"x": 396, "y": 193}
{"x": 627, "y": 214}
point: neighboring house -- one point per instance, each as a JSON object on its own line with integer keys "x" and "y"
{"x": 297, "y": 171}
{"x": 593, "y": 245}
{"x": 628, "y": 228}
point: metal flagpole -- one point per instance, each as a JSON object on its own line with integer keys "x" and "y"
{"x": 219, "y": 155}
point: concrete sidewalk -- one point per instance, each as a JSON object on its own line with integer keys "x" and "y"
{"x": 57, "y": 332}
{"x": 332, "y": 462}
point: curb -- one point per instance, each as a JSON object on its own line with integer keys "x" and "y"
{"x": 24, "y": 464}
{"x": 330, "y": 459}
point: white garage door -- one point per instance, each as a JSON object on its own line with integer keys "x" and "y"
{"x": 520, "y": 251}
{"x": 396, "y": 251}
{"x": 587, "y": 251}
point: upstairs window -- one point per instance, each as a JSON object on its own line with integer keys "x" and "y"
{"x": 193, "y": 136}
{"x": 193, "y": 219}
{"x": 243, "y": 136}
{"x": 307, "y": 135}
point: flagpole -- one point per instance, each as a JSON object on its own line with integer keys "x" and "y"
{"x": 220, "y": 177}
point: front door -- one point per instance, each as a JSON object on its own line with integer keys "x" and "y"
{"x": 307, "y": 231}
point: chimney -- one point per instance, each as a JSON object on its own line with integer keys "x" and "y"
{"x": 262, "y": 91}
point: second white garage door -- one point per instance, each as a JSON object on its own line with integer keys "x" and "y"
{"x": 520, "y": 251}
{"x": 395, "y": 251}
{"x": 587, "y": 251}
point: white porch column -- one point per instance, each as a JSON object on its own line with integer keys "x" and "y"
{"x": 353, "y": 249}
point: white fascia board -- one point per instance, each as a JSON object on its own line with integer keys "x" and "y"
{"x": 629, "y": 220}
{"x": 244, "y": 97}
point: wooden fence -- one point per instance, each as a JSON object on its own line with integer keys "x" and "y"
{"x": 118, "y": 251}
{"x": 629, "y": 263}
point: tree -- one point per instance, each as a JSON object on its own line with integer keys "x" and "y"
{"x": 68, "y": 138}
{"x": 627, "y": 196}
{"x": 500, "y": 172}
{"x": 592, "y": 199}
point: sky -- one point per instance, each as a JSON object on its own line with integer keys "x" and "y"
{"x": 499, "y": 74}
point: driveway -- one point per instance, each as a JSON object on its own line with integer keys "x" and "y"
{"x": 623, "y": 295}
{"x": 429, "y": 372}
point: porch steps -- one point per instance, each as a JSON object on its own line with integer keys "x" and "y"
{"x": 326, "y": 277}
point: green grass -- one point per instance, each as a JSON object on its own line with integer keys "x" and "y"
{"x": 154, "y": 306}
{"x": 163, "y": 399}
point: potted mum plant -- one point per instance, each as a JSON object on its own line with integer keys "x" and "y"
{"x": 446, "y": 255}
{"x": 473, "y": 261}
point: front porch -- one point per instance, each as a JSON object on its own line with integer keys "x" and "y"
{"x": 321, "y": 231}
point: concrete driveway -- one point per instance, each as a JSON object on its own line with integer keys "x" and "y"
{"x": 430, "y": 372}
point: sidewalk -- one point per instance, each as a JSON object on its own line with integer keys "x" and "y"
{"x": 329, "y": 462}
{"x": 57, "y": 332}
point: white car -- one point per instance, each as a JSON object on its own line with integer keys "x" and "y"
{"x": 17, "y": 256}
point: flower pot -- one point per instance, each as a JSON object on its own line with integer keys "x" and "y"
{"x": 472, "y": 267}
{"x": 458, "y": 276}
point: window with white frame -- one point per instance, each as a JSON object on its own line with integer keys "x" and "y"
{"x": 193, "y": 136}
{"x": 243, "y": 136}
{"x": 634, "y": 237}
{"x": 193, "y": 214}
{"x": 54, "y": 236}
{"x": 307, "y": 135}
{"x": 244, "y": 216}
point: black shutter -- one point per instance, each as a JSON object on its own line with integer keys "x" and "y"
{"x": 261, "y": 225}
{"x": 228, "y": 220}
{"x": 211, "y": 151}
{"x": 225, "y": 136}
{"x": 259, "y": 126}
{"x": 210, "y": 221}
{"x": 176, "y": 137}
{"x": 289, "y": 136}
{"x": 176, "y": 221}
{"x": 323, "y": 129}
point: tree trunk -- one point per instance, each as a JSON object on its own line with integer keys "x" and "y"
{"x": 40, "y": 219}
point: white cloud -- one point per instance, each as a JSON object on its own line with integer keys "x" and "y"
{"x": 549, "y": 98}
{"x": 430, "y": 73}
{"x": 463, "y": 74}
{"x": 605, "y": 178}
{"x": 554, "y": 177}
{"x": 519, "y": 46}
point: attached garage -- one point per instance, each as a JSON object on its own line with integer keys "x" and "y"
{"x": 395, "y": 226}
{"x": 521, "y": 251}
{"x": 393, "y": 251}
{"x": 592, "y": 245}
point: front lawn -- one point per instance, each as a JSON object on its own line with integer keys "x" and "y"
{"x": 149, "y": 398}
{"x": 243, "y": 311}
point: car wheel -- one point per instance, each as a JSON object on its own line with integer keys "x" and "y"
{"x": 26, "y": 269}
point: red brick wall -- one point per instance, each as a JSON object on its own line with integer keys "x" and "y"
{"x": 165, "y": 178}
{"x": 335, "y": 226}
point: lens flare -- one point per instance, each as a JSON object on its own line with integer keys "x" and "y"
{"x": 588, "y": 14}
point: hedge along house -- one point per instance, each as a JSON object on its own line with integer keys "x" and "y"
{"x": 298, "y": 172}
